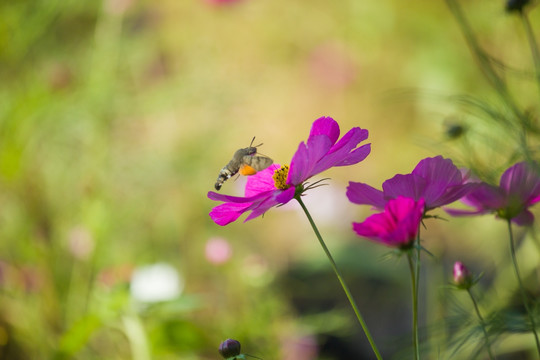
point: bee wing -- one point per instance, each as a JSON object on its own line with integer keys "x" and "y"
{"x": 252, "y": 164}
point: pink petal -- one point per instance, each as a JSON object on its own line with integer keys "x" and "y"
{"x": 525, "y": 218}
{"x": 452, "y": 194}
{"x": 235, "y": 199}
{"x": 299, "y": 165}
{"x": 325, "y": 126}
{"x": 261, "y": 181}
{"x": 341, "y": 152}
{"x": 521, "y": 181}
{"x": 411, "y": 186}
{"x": 285, "y": 196}
{"x": 440, "y": 170}
{"x": 363, "y": 194}
{"x": 227, "y": 213}
{"x": 356, "y": 156}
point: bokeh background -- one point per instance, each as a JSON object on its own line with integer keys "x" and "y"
{"x": 117, "y": 115}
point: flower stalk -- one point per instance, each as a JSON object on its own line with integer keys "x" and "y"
{"x": 482, "y": 323}
{"x": 535, "y": 53}
{"x": 414, "y": 268}
{"x": 521, "y": 287}
{"x": 340, "y": 278}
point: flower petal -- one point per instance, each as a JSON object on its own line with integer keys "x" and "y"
{"x": 410, "y": 185}
{"x": 460, "y": 212}
{"x": 299, "y": 165}
{"x": 525, "y": 218}
{"x": 487, "y": 197}
{"x": 227, "y": 213}
{"x": 325, "y": 126}
{"x": 453, "y": 193}
{"x": 285, "y": 196}
{"x": 397, "y": 225}
{"x": 236, "y": 199}
{"x": 363, "y": 194}
{"x": 341, "y": 152}
{"x": 439, "y": 170}
{"x": 356, "y": 156}
{"x": 521, "y": 182}
{"x": 263, "y": 207}
{"x": 261, "y": 181}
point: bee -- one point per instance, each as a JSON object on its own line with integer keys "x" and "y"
{"x": 245, "y": 162}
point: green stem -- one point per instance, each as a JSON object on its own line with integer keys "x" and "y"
{"x": 418, "y": 252}
{"x": 521, "y": 287}
{"x": 482, "y": 323}
{"x": 533, "y": 45}
{"x": 414, "y": 292}
{"x": 340, "y": 278}
{"x": 497, "y": 82}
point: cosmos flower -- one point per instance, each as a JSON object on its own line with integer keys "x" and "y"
{"x": 280, "y": 184}
{"x": 519, "y": 189}
{"x": 397, "y": 226}
{"x": 436, "y": 180}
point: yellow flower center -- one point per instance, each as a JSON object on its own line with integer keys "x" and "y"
{"x": 280, "y": 177}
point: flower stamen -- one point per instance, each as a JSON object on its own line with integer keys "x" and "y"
{"x": 280, "y": 177}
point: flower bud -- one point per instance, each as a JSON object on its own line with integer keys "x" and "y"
{"x": 462, "y": 276}
{"x": 229, "y": 348}
{"x": 516, "y": 5}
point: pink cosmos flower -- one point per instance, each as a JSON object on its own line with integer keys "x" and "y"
{"x": 397, "y": 226}
{"x": 519, "y": 189}
{"x": 436, "y": 180}
{"x": 278, "y": 185}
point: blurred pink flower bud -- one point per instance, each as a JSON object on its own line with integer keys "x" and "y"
{"x": 462, "y": 276}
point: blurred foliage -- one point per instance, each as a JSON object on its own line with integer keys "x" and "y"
{"x": 116, "y": 116}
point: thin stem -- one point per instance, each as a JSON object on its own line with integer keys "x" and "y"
{"x": 521, "y": 287}
{"x": 533, "y": 45}
{"x": 340, "y": 278}
{"x": 418, "y": 252}
{"x": 497, "y": 82}
{"x": 414, "y": 292}
{"x": 482, "y": 323}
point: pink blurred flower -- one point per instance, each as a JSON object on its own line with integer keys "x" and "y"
{"x": 278, "y": 185}
{"x": 397, "y": 226}
{"x": 331, "y": 66}
{"x": 519, "y": 189}
{"x": 300, "y": 348}
{"x": 218, "y": 251}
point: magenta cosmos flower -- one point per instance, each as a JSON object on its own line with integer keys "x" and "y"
{"x": 519, "y": 189}
{"x": 436, "y": 180}
{"x": 396, "y": 226}
{"x": 278, "y": 185}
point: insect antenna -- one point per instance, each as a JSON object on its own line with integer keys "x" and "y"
{"x": 259, "y": 153}
{"x": 251, "y": 144}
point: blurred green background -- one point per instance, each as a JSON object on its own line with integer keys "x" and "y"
{"x": 116, "y": 117}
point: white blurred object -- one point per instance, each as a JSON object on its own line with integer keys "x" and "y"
{"x": 154, "y": 283}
